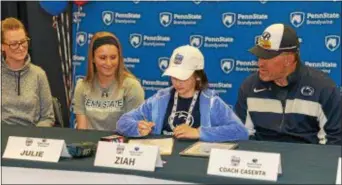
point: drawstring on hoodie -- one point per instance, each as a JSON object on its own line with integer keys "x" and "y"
{"x": 19, "y": 84}
{"x": 5, "y": 68}
{"x": 18, "y": 81}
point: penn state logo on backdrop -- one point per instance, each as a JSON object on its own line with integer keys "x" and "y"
{"x": 332, "y": 42}
{"x": 307, "y": 90}
{"x": 197, "y": 1}
{"x": 227, "y": 65}
{"x": 297, "y": 18}
{"x": 196, "y": 40}
{"x": 165, "y": 18}
{"x": 136, "y": 1}
{"x": 228, "y": 19}
{"x": 135, "y": 39}
{"x": 263, "y": 1}
{"x": 107, "y": 17}
{"x": 81, "y": 38}
{"x": 163, "y": 63}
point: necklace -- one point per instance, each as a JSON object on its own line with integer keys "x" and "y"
{"x": 105, "y": 91}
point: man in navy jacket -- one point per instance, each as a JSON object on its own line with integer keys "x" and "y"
{"x": 286, "y": 100}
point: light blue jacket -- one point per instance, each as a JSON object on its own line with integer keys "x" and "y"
{"x": 218, "y": 122}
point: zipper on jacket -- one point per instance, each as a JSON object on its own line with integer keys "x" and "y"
{"x": 282, "y": 96}
{"x": 283, "y": 104}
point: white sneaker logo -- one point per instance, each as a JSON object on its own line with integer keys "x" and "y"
{"x": 259, "y": 90}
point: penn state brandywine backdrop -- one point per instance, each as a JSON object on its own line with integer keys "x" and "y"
{"x": 224, "y": 31}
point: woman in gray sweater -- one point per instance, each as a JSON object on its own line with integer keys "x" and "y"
{"x": 26, "y": 95}
{"x": 109, "y": 89}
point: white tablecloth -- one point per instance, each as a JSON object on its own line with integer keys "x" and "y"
{"x": 15, "y": 175}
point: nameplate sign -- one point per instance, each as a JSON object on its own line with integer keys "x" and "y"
{"x": 127, "y": 156}
{"x": 338, "y": 175}
{"x": 244, "y": 164}
{"x": 35, "y": 149}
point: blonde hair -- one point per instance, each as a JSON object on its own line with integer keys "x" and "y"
{"x": 10, "y": 24}
{"x": 121, "y": 72}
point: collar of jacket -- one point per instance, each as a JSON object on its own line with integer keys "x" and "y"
{"x": 23, "y": 70}
{"x": 292, "y": 78}
{"x": 208, "y": 93}
{"x": 295, "y": 76}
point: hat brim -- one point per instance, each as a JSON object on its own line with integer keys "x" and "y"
{"x": 179, "y": 73}
{"x": 263, "y": 53}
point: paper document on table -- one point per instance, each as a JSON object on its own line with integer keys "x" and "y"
{"x": 202, "y": 149}
{"x": 165, "y": 144}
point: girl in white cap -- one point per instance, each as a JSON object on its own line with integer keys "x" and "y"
{"x": 188, "y": 109}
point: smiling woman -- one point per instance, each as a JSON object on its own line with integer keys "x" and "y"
{"x": 26, "y": 96}
{"x": 109, "y": 89}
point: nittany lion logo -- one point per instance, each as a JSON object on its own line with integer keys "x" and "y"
{"x": 228, "y": 19}
{"x": 163, "y": 63}
{"x": 120, "y": 149}
{"x": 332, "y": 42}
{"x": 81, "y": 38}
{"x": 227, "y": 65}
{"x": 136, "y": 1}
{"x": 196, "y": 40}
{"x": 235, "y": 161}
{"x": 135, "y": 39}
{"x": 297, "y": 18}
{"x": 28, "y": 141}
{"x": 180, "y": 118}
{"x": 307, "y": 91}
{"x": 107, "y": 17}
{"x": 165, "y": 18}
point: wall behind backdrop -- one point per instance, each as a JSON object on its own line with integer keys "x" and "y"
{"x": 223, "y": 31}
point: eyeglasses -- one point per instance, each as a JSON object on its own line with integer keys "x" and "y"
{"x": 16, "y": 45}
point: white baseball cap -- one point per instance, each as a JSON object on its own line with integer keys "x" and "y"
{"x": 276, "y": 38}
{"x": 184, "y": 61}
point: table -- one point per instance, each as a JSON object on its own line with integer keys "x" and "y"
{"x": 301, "y": 163}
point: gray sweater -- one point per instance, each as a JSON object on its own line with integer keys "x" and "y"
{"x": 26, "y": 96}
{"x": 102, "y": 112}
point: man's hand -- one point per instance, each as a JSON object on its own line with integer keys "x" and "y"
{"x": 145, "y": 127}
{"x": 185, "y": 131}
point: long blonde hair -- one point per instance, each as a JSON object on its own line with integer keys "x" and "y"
{"x": 121, "y": 72}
